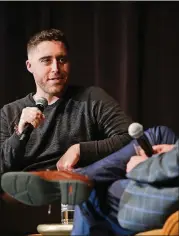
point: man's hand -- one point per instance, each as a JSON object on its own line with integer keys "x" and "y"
{"x": 161, "y": 148}
{"x": 30, "y": 115}
{"x": 134, "y": 161}
{"x": 70, "y": 158}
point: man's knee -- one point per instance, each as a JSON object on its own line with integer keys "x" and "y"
{"x": 161, "y": 135}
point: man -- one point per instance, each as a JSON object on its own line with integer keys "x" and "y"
{"x": 79, "y": 125}
{"x": 99, "y": 214}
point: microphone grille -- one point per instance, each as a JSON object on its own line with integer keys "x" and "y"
{"x": 135, "y": 130}
{"x": 42, "y": 102}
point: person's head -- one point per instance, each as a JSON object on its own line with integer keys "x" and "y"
{"x": 48, "y": 61}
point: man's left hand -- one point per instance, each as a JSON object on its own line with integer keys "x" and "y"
{"x": 70, "y": 158}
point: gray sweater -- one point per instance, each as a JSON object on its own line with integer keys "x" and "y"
{"x": 88, "y": 116}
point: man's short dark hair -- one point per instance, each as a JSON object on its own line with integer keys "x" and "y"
{"x": 47, "y": 35}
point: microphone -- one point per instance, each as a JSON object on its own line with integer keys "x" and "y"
{"x": 135, "y": 130}
{"x": 41, "y": 104}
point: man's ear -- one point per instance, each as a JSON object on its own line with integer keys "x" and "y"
{"x": 29, "y": 66}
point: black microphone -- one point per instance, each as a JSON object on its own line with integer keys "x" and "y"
{"x": 136, "y": 131}
{"x": 41, "y": 104}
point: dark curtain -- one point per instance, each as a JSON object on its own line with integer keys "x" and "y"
{"x": 128, "y": 48}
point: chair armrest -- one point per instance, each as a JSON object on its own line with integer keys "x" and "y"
{"x": 170, "y": 228}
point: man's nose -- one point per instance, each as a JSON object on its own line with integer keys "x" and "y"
{"x": 55, "y": 66}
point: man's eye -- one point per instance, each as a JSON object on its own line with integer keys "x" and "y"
{"x": 62, "y": 60}
{"x": 46, "y": 60}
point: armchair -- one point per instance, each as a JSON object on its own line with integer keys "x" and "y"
{"x": 170, "y": 228}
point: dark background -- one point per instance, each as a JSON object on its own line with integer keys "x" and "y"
{"x": 130, "y": 49}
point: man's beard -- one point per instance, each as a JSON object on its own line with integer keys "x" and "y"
{"x": 53, "y": 90}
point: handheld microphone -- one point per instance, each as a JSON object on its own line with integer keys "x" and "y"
{"x": 135, "y": 130}
{"x": 41, "y": 104}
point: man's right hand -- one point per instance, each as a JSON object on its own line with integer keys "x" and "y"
{"x": 161, "y": 148}
{"x": 30, "y": 115}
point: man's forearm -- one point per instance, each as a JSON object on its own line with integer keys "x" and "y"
{"x": 93, "y": 151}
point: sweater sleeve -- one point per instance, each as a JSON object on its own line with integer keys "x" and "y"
{"x": 11, "y": 149}
{"x": 112, "y": 124}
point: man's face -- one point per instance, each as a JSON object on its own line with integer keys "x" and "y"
{"x": 48, "y": 62}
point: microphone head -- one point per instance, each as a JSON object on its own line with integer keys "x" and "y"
{"x": 135, "y": 130}
{"x": 42, "y": 102}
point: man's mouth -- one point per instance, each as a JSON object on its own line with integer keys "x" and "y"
{"x": 55, "y": 78}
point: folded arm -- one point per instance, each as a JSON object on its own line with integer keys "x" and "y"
{"x": 159, "y": 168}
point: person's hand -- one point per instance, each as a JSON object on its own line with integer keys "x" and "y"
{"x": 161, "y": 148}
{"x": 31, "y": 115}
{"x": 134, "y": 161}
{"x": 70, "y": 158}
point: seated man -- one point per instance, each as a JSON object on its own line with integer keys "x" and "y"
{"x": 99, "y": 213}
{"x": 78, "y": 127}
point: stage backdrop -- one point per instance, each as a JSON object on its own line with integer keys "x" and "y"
{"x": 131, "y": 49}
